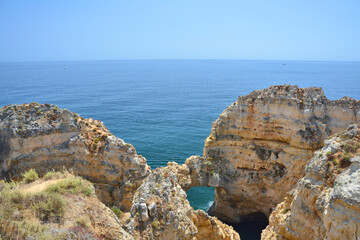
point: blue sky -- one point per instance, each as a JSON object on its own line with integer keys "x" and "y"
{"x": 40, "y": 30}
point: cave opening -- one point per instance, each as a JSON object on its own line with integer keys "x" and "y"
{"x": 251, "y": 227}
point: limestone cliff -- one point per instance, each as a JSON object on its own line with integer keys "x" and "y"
{"x": 258, "y": 148}
{"x": 161, "y": 211}
{"x": 44, "y": 137}
{"x": 326, "y": 202}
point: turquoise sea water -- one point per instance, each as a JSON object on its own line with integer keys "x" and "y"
{"x": 165, "y": 108}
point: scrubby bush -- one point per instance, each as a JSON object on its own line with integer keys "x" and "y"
{"x": 83, "y": 221}
{"x": 53, "y": 175}
{"x": 155, "y": 223}
{"x": 346, "y": 157}
{"x": 51, "y": 208}
{"x": 74, "y": 185}
{"x": 30, "y": 176}
{"x": 117, "y": 211}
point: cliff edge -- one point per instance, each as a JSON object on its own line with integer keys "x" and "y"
{"x": 152, "y": 203}
{"x": 258, "y": 147}
{"x": 326, "y": 202}
{"x": 46, "y": 138}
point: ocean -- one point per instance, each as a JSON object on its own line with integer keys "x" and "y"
{"x": 165, "y": 108}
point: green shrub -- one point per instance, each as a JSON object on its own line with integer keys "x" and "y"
{"x": 155, "y": 223}
{"x": 83, "y": 221}
{"x": 30, "y": 176}
{"x": 53, "y": 175}
{"x": 346, "y": 157}
{"x": 285, "y": 210}
{"x": 117, "y": 211}
{"x": 208, "y": 163}
{"x": 52, "y": 206}
{"x": 345, "y": 160}
{"x": 46, "y": 206}
{"x": 70, "y": 185}
{"x": 31, "y": 229}
{"x": 16, "y": 196}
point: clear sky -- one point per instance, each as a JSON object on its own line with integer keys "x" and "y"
{"x": 38, "y": 30}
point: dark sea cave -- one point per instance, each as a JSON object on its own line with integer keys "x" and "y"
{"x": 250, "y": 230}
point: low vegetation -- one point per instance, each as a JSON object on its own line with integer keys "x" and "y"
{"x": 26, "y": 214}
{"x": 73, "y": 185}
{"x": 83, "y": 221}
{"x": 337, "y": 161}
{"x": 117, "y": 211}
{"x": 30, "y": 176}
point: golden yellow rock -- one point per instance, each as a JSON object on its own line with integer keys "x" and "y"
{"x": 161, "y": 211}
{"x": 258, "y": 147}
{"x": 326, "y": 202}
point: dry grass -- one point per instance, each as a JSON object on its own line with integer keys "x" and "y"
{"x": 33, "y": 205}
{"x": 339, "y": 160}
{"x": 30, "y": 176}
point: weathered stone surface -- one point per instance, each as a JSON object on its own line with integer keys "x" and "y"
{"x": 326, "y": 202}
{"x": 44, "y": 137}
{"x": 258, "y": 148}
{"x": 47, "y": 138}
{"x": 170, "y": 214}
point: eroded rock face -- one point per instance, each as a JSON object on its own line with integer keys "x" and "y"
{"x": 258, "y": 148}
{"x": 160, "y": 210}
{"x": 44, "y": 137}
{"x": 326, "y": 202}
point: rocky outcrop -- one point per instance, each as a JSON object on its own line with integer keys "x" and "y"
{"x": 255, "y": 154}
{"x": 44, "y": 137}
{"x": 258, "y": 148}
{"x": 160, "y": 210}
{"x": 326, "y": 202}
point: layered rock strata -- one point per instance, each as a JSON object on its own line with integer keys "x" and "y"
{"x": 258, "y": 148}
{"x": 44, "y": 137}
{"x": 160, "y": 210}
{"x": 326, "y": 202}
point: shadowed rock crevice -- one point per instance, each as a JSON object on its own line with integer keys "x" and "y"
{"x": 4, "y": 151}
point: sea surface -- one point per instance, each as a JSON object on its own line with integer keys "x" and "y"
{"x": 165, "y": 108}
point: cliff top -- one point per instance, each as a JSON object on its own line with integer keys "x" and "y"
{"x": 293, "y": 93}
{"x": 57, "y": 206}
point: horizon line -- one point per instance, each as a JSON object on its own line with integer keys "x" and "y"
{"x": 174, "y": 59}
